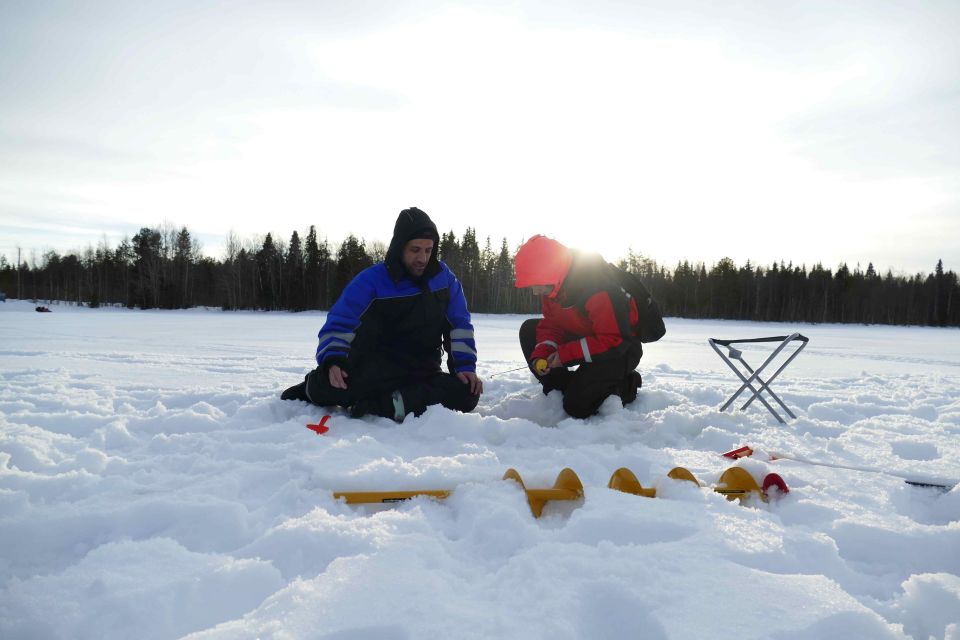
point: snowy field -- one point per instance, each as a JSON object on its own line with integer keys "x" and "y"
{"x": 153, "y": 485}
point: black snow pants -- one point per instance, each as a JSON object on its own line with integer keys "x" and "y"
{"x": 370, "y": 389}
{"x": 585, "y": 389}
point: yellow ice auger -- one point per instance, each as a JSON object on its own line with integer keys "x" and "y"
{"x": 735, "y": 483}
{"x": 566, "y": 487}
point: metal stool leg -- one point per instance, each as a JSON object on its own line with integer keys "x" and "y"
{"x": 764, "y": 386}
{"x": 771, "y": 379}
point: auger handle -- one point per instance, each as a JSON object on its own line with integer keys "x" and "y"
{"x": 374, "y": 497}
{"x": 553, "y": 494}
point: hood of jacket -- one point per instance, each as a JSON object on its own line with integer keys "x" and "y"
{"x": 412, "y": 223}
{"x": 542, "y": 261}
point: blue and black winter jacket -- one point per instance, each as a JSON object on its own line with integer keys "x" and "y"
{"x": 385, "y": 314}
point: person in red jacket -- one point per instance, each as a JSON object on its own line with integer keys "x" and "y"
{"x": 588, "y": 320}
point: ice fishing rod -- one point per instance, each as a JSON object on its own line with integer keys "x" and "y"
{"x": 500, "y": 373}
{"x": 942, "y": 485}
{"x": 911, "y": 480}
{"x": 540, "y": 364}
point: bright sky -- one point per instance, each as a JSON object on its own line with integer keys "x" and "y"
{"x": 813, "y": 131}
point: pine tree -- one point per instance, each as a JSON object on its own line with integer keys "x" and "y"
{"x": 184, "y": 255}
{"x": 295, "y": 276}
{"x": 147, "y": 249}
{"x": 939, "y": 296}
{"x": 470, "y": 264}
{"x": 352, "y": 258}
{"x": 269, "y": 261}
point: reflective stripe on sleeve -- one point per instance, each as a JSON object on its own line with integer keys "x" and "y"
{"x": 459, "y": 346}
{"x": 346, "y": 337}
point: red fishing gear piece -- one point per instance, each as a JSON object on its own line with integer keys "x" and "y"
{"x": 736, "y": 454}
{"x": 321, "y": 427}
{"x": 774, "y": 480}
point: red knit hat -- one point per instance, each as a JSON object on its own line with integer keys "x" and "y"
{"x": 542, "y": 260}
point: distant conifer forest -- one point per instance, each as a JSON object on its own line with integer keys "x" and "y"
{"x": 164, "y": 268}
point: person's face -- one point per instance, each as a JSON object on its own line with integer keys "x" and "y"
{"x": 416, "y": 253}
{"x": 540, "y": 289}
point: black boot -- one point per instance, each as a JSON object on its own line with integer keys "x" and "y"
{"x": 556, "y": 379}
{"x": 628, "y": 388}
{"x": 296, "y": 392}
{"x": 386, "y": 405}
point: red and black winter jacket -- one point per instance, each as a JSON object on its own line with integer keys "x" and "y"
{"x": 588, "y": 317}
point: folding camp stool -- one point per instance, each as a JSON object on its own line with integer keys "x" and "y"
{"x": 735, "y": 354}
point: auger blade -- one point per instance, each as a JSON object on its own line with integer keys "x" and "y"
{"x": 624, "y": 480}
{"x": 680, "y": 473}
{"x": 736, "y": 483}
{"x": 566, "y": 487}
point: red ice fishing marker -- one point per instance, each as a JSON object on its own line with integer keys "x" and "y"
{"x": 736, "y": 454}
{"x": 320, "y": 428}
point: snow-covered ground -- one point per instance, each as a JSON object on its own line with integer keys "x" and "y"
{"x": 153, "y": 485}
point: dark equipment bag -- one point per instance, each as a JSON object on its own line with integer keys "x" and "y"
{"x": 650, "y": 327}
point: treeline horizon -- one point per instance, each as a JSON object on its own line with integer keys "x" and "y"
{"x": 163, "y": 267}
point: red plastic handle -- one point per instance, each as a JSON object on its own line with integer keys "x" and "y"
{"x": 320, "y": 428}
{"x": 774, "y": 480}
{"x": 742, "y": 452}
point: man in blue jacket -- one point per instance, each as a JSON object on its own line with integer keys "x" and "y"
{"x": 380, "y": 348}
